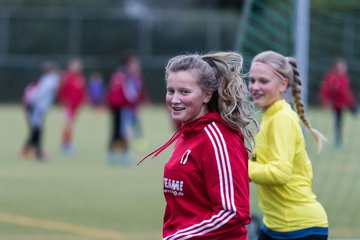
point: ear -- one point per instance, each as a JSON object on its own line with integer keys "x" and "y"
{"x": 207, "y": 97}
{"x": 284, "y": 85}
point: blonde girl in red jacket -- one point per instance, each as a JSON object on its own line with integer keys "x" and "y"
{"x": 205, "y": 182}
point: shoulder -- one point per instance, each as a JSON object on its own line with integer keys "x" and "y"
{"x": 220, "y": 135}
{"x": 118, "y": 77}
{"x": 119, "y": 73}
{"x": 51, "y": 77}
{"x": 286, "y": 112}
{"x": 286, "y": 115}
{"x": 285, "y": 121}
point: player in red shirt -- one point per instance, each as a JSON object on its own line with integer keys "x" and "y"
{"x": 335, "y": 93}
{"x": 124, "y": 95}
{"x": 71, "y": 94}
{"x": 205, "y": 183}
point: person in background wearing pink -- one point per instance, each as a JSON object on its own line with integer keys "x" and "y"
{"x": 336, "y": 94}
{"x": 72, "y": 93}
{"x": 123, "y": 98}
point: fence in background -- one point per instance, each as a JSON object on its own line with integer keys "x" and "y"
{"x": 29, "y": 36}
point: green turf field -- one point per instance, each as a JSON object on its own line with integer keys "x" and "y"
{"x": 81, "y": 197}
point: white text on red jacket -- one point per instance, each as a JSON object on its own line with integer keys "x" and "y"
{"x": 173, "y": 186}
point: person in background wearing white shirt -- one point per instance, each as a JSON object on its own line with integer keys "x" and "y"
{"x": 38, "y": 98}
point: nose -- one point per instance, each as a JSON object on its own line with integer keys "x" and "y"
{"x": 253, "y": 86}
{"x": 175, "y": 98}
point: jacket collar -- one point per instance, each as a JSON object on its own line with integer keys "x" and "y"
{"x": 189, "y": 129}
{"x": 275, "y": 107}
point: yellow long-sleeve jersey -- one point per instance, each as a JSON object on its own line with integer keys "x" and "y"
{"x": 282, "y": 171}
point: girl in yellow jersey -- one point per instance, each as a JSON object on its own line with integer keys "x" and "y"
{"x": 280, "y": 166}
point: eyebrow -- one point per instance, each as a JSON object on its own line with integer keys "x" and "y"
{"x": 259, "y": 78}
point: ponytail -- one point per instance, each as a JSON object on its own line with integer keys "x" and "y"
{"x": 232, "y": 98}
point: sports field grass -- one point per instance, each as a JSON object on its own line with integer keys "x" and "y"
{"x": 81, "y": 197}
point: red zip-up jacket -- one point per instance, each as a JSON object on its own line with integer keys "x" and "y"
{"x": 72, "y": 90}
{"x": 206, "y": 184}
{"x": 124, "y": 90}
{"x": 335, "y": 90}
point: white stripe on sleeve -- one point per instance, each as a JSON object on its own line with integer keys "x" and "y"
{"x": 226, "y": 190}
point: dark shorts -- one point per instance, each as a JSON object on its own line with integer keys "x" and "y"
{"x": 312, "y": 233}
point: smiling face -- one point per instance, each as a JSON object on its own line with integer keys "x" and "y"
{"x": 265, "y": 86}
{"x": 184, "y": 97}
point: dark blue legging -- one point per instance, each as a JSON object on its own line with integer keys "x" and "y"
{"x": 338, "y": 126}
{"x": 263, "y": 236}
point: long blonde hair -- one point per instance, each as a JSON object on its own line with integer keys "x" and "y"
{"x": 221, "y": 73}
{"x": 287, "y": 67}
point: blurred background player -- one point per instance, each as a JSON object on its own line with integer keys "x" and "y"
{"x": 71, "y": 94}
{"x": 96, "y": 91}
{"x": 38, "y": 98}
{"x": 280, "y": 165}
{"x": 124, "y": 96}
{"x": 335, "y": 93}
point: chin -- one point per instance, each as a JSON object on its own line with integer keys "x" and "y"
{"x": 258, "y": 103}
{"x": 177, "y": 118}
